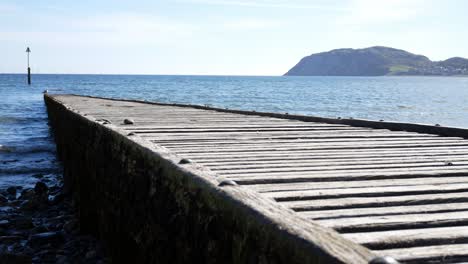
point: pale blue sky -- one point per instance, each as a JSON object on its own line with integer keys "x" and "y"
{"x": 231, "y": 37}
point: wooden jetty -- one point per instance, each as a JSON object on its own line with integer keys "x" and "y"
{"x": 247, "y": 187}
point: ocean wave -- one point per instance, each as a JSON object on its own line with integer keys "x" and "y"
{"x": 28, "y": 170}
{"x": 5, "y": 149}
{"x": 28, "y": 149}
{"x": 21, "y": 119}
{"x": 404, "y": 107}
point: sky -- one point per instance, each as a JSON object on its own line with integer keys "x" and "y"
{"x": 217, "y": 37}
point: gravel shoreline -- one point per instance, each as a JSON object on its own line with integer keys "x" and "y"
{"x": 39, "y": 225}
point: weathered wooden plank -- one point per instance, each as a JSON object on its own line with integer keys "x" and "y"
{"x": 241, "y": 163}
{"x": 368, "y": 202}
{"x": 155, "y": 116}
{"x": 320, "y": 139}
{"x": 267, "y": 148}
{"x": 352, "y": 175}
{"x": 327, "y": 178}
{"x": 238, "y": 130}
{"x": 241, "y": 142}
{"x": 411, "y": 237}
{"x": 316, "y": 145}
{"x": 385, "y": 211}
{"x": 330, "y": 151}
{"x": 329, "y": 155}
{"x": 299, "y": 134}
{"x": 343, "y": 137}
{"x": 339, "y": 167}
{"x": 330, "y": 162}
{"x": 300, "y": 186}
{"x": 440, "y": 254}
{"x": 282, "y": 125}
{"x": 406, "y": 221}
{"x": 366, "y": 192}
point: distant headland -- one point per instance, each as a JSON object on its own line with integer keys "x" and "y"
{"x": 376, "y": 61}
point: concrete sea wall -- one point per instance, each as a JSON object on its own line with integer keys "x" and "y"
{"x": 150, "y": 209}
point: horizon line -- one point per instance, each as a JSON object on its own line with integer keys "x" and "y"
{"x": 140, "y": 74}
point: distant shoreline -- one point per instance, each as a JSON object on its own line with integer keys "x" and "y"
{"x": 376, "y": 61}
{"x": 203, "y": 75}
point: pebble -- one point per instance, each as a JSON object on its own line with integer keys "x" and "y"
{"x": 185, "y": 161}
{"x": 24, "y": 222}
{"x": 38, "y": 229}
{"x": 4, "y": 223}
{"x": 128, "y": 121}
{"x": 61, "y": 259}
{"x": 3, "y": 200}
{"x": 45, "y": 238}
{"x": 58, "y": 198}
{"x": 34, "y": 230}
{"x": 14, "y": 258}
{"x": 27, "y": 194}
{"x": 11, "y": 190}
{"x": 69, "y": 226}
{"x": 6, "y": 239}
{"x": 41, "y": 188}
{"x": 91, "y": 254}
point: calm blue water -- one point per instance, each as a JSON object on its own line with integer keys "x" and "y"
{"x": 27, "y": 149}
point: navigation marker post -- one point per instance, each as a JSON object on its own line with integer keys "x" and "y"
{"x": 29, "y": 69}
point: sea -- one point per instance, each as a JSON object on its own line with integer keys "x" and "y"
{"x": 27, "y": 150}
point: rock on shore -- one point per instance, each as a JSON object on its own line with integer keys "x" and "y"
{"x": 37, "y": 225}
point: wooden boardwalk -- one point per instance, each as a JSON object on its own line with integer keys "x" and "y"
{"x": 400, "y": 194}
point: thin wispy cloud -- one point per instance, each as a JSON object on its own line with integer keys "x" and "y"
{"x": 7, "y": 8}
{"x": 371, "y": 12}
{"x": 116, "y": 29}
{"x": 250, "y": 24}
{"x": 130, "y": 22}
{"x": 267, "y": 3}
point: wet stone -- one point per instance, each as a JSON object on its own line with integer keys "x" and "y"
{"x": 56, "y": 199}
{"x": 34, "y": 230}
{"x": 91, "y": 254}
{"x": 61, "y": 259}
{"x": 3, "y": 200}
{"x": 41, "y": 188}
{"x": 4, "y": 223}
{"x": 11, "y": 191}
{"x": 23, "y": 223}
{"x": 8, "y": 258}
{"x": 16, "y": 203}
{"x": 27, "y": 194}
{"x": 70, "y": 226}
{"x": 39, "y": 229}
{"x": 30, "y": 205}
{"x": 9, "y": 239}
{"x": 45, "y": 238}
